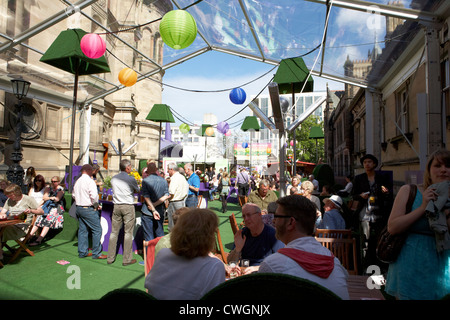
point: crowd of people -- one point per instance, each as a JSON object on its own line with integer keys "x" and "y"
{"x": 277, "y": 234}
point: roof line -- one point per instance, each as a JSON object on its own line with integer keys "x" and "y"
{"x": 383, "y": 9}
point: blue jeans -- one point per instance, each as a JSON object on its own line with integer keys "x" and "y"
{"x": 152, "y": 228}
{"x": 191, "y": 202}
{"x": 211, "y": 193}
{"x": 89, "y": 220}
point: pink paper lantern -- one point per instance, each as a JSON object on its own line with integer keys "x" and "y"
{"x": 228, "y": 133}
{"x": 292, "y": 143}
{"x": 93, "y": 46}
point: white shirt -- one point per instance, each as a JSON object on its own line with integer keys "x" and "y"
{"x": 174, "y": 277}
{"x": 85, "y": 191}
{"x": 124, "y": 186}
{"x": 280, "y": 263}
{"x": 178, "y": 187}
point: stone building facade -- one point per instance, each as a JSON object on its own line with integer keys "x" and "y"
{"x": 47, "y": 107}
{"x": 403, "y": 115}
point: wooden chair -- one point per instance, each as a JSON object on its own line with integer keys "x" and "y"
{"x": 149, "y": 254}
{"x": 22, "y": 244}
{"x": 219, "y": 251}
{"x": 334, "y": 233}
{"x": 344, "y": 250}
{"x": 233, "y": 223}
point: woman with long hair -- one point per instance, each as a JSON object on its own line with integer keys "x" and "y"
{"x": 53, "y": 211}
{"x": 421, "y": 271}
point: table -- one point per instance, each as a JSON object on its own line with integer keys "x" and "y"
{"x": 359, "y": 290}
{"x": 11, "y": 222}
{"x": 105, "y": 221}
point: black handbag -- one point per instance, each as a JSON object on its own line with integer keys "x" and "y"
{"x": 389, "y": 245}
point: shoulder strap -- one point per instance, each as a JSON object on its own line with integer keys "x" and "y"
{"x": 412, "y": 196}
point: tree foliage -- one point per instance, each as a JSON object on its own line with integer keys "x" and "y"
{"x": 306, "y": 147}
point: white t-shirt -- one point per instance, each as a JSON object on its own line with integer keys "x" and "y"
{"x": 176, "y": 278}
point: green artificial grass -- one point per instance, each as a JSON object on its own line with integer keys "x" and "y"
{"x": 41, "y": 278}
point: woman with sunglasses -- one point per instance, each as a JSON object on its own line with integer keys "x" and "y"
{"x": 53, "y": 208}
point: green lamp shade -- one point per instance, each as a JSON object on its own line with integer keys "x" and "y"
{"x": 316, "y": 133}
{"x": 291, "y": 76}
{"x": 250, "y": 123}
{"x": 160, "y": 113}
{"x": 178, "y": 29}
{"x": 65, "y": 54}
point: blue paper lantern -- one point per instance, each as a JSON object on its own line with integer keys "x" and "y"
{"x": 245, "y": 145}
{"x": 238, "y": 96}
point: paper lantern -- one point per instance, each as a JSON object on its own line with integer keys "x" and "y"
{"x": 228, "y": 133}
{"x": 245, "y": 145}
{"x": 209, "y": 131}
{"x": 184, "y": 128}
{"x": 238, "y": 96}
{"x": 93, "y": 46}
{"x": 127, "y": 77}
{"x": 269, "y": 150}
{"x": 223, "y": 127}
{"x": 292, "y": 143}
{"x": 178, "y": 29}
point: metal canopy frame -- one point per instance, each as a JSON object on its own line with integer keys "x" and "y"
{"x": 363, "y": 6}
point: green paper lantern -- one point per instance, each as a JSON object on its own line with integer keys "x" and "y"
{"x": 178, "y": 29}
{"x": 184, "y": 128}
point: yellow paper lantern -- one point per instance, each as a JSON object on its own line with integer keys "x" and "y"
{"x": 209, "y": 131}
{"x": 127, "y": 77}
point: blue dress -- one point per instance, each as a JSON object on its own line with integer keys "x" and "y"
{"x": 419, "y": 273}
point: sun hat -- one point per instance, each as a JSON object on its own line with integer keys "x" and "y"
{"x": 335, "y": 199}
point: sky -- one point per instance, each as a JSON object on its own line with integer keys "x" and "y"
{"x": 216, "y": 71}
{"x": 351, "y": 34}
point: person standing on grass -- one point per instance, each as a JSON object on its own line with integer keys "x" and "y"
{"x": 124, "y": 187}
{"x": 194, "y": 186}
{"x": 178, "y": 189}
{"x": 85, "y": 195}
{"x": 155, "y": 191}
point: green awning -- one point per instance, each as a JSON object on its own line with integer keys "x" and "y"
{"x": 160, "y": 113}
{"x": 250, "y": 122}
{"x": 316, "y": 133}
{"x": 291, "y": 75}
{"x": 65, "y": 53}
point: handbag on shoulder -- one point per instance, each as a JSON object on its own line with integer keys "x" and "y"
{"x": 389, "y": 246}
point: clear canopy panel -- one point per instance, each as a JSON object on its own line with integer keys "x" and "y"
{"x": 327, "y": 34}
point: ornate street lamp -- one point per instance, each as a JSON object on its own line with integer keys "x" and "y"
{"x": 15, "y": 171}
